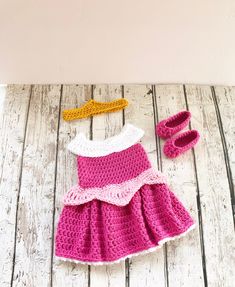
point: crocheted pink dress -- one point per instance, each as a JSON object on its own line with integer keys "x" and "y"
{"x": 120, "y": 207}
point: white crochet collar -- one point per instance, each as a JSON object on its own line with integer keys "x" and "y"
{"x": 129, "y": 135}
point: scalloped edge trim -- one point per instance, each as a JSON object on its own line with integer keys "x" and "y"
{"x": 128, "y": 136}
{"x": 152, "y": 249}
{"x": 117, "y": 194}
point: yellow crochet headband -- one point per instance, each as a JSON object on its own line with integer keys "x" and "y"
{"x": 93, "y": 107}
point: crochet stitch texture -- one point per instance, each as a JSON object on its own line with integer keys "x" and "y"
{"x": 120, "y": 206}
{"x": 100, "y": 171}
{"x": 93, "y": 107}
{"x": 101, "y": 232}
{"x": 172, "y": 125}
{"x": 129, "y": 135}
{"x": 180, "y": 143}
{"x": 118, "y": 194}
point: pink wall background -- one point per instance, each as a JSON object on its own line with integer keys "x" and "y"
{"x": 124, "y": 41}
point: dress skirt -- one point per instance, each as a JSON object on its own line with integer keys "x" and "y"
{"x": 98, "y": 232}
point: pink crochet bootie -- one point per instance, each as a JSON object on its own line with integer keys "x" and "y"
{"x": 181, "y": 143}
{"x": 167, "y": 128}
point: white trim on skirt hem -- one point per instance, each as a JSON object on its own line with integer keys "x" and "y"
{"x": 160, "y": 243}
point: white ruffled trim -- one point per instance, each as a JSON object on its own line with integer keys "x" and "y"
{"x": 129, "y": 135}
{"x": 118, "y": 194}
{"x": 152, "y": 249}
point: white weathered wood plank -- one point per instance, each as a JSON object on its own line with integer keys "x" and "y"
{"x": 226, "y": 102}
{"x": 35, "y": 210}
{"x": 184, "y": 254}
{"x": 3, "y": 92}
{"x": 104, "y": 126}
{"x": 13, "y": 118}
{"x": 145, "y": 270}
{"x": 214, "y": 191}
{"x": 67, "y": 273}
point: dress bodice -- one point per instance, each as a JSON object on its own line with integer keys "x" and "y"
{"x": 111, "y": 170}
{"x": 114, "y": 168}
